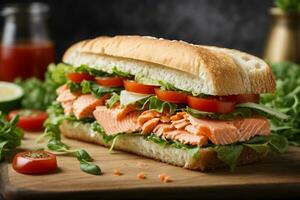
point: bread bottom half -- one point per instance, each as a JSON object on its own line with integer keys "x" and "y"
{"x": 138, "y": 145}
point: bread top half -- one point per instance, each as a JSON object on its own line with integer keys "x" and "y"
{"x": 195, "y": 68}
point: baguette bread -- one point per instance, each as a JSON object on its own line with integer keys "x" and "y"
{"x": 138, "y": 145}
{"x": 194, "y": 68}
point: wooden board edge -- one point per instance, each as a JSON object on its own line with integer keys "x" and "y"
{"x": 257, "y": 191}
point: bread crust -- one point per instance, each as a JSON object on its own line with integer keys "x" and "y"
{"x": 214, "y": 66}
{"x": 138, "y": 145}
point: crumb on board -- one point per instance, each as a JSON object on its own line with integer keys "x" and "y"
{"x": 163, "y": 178}
{"x": 141, "y": 164}
{"x": 141, "y": 175}
{"x": 117, "y": 172}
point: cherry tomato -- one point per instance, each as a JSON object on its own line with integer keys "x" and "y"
{"x": 241, "y": 98}
{"x": 79, "y": 77}
{"x": 114, "y": 81}
{"x": 210, "y": 104}
{"x": 136, "y": 87}
{"x": 34, "y": 162}
{"x": 171, "y": 96}
{"x": 30, "y": 120}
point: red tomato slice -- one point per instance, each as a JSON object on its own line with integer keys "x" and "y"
{"x": 210, "y": 104}
{"x": 171, "y": 96}
{"x": 241, "y": 98}
{"x": 114, "y": 81}
{"x": 34, "y": 162}
{"x": 30, "y": 120}
{"x": 79, "y": 77}
{"x": 133, "y": 86}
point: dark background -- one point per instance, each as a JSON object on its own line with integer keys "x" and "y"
{"x": 240, "y": 24}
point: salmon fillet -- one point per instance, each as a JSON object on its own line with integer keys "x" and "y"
{"x": 84, "y": 105}
{"x": 148, "y": 126}
{"x": 107, "y": 119}
{"x": 122, "y": 113}
{"x": 68, "y": 107}
{"x": 66, "y": 98}
{"x": 186, "y": 138}
{"x": 228, "y": 132}
{"x": 65, "y": 94}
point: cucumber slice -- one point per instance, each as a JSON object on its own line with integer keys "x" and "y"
{"x": 10, "y": 96}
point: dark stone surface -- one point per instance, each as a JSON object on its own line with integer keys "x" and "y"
{"x": 240, "y": 24}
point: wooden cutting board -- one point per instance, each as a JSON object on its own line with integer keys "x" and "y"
{"x": 277, "y": 176}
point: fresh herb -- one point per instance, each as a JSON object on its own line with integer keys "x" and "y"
{"x": 39, "y": 94}
{"x": 56, "y": 117}
{"x": 286, "y": 99}
{"x": 10, "y": 135}
{"x": 290, "y": 6}
{"x": 115, "y": 98}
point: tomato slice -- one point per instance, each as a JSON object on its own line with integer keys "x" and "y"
{"x": 171, "y": 96}
{"x": 79, "y": 77}
{"x": 136, "y": 87}
{"x": 210, "y": 104}
{"x": 113, "y": 81}
{"x": 30, "y": 120}
{"x": 34, "y": 162}
{"x": 241, "y": 98}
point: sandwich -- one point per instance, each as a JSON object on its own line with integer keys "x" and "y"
{"x": 188, "y": 105}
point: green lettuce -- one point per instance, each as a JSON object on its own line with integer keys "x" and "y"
{"x": 153, "y": 103}
{"x": 115, "y": 98}
{"x": 10, "y": 135}
{"x": 286, "y": 99}
{"x": 40, "y": 94}
{"x": 238, "y": 112}
{"x": 97, "y": 90}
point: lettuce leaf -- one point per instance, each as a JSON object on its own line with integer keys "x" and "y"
{"x": 115, "y": 98}
{"x": 117, "y": 72}
{"x": 39, "y": 94}
{"x": 97, "y": 90}
{"x": 91, "y": 71}
{"x": 153, "y": 103}
{"x": 238, "y": 112}
{"x": 271, "y": 113}
{"x": 286, "y": 99}
{"x": 10, "y": 135}
{"x": 146, "y": 80}
{"x": 229, "y": 154}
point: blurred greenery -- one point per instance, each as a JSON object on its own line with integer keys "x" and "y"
{"x": 290, "y": 6}
{"x": 40, "y": 94}
{"x": 286, "y": 99}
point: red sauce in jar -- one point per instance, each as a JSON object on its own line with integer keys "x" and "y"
{"x": 25, "y": 60}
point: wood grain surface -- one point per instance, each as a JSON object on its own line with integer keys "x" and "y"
{"x": 277, "y": 176}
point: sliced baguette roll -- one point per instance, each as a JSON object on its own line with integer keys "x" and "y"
{"x": 194, "y": 68}
{"x": 138, "y": 145}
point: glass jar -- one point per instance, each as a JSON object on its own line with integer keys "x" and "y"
{"x": 25, "y": 48}
{"x": 283, "y": 42}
